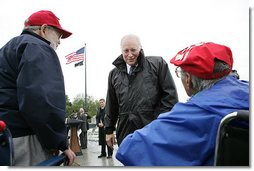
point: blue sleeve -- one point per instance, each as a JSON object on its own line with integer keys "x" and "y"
{"x": 183, "y": 140}
{"x": 41, "y": 95}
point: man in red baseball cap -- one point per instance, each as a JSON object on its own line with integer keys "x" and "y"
{"x": 186, "y": 135}
{"x": 201, "y": 62}
{"x": 46, "y": 24}
{"x": 32, "y": 98}
{"x": 46, "y": 17}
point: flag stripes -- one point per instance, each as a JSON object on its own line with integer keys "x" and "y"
{"x": 75, "y": 56}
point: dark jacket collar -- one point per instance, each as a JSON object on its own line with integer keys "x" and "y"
{"x": 120, "y": 63}
{"x": 35, "y": 35}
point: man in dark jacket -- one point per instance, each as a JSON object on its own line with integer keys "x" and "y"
{"x": 139, "y": 89}
{"x": 84, "y": 128}
{"x": 102, "y": 137}
{"x": 32, "y": 93}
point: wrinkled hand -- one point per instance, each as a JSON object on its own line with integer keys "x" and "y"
{"x": 110, "y": 139}
{"x": 70, "y": 155}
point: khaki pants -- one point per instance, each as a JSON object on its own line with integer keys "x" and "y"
{"x": 28, "y": 151}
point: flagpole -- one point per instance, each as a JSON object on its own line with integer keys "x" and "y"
{"x": 85, "y": 79}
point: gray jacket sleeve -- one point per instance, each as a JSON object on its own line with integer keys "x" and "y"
{"x": 111, "y": 110}
{"x": 169, "y": 96}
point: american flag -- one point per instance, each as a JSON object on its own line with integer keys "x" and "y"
{"x": 75, "y": 56}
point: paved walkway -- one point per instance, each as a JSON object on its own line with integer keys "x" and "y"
{"x": 90, "y": 155}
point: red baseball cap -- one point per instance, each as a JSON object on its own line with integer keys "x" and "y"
{"x": 199, "y": 59}
{"x": 46, "y": 17}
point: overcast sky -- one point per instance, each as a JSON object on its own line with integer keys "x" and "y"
{"x": 164, "y": 27}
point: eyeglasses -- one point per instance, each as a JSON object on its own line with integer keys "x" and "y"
{"x": 178, "y": 72}
{"x": 56, "y": 31}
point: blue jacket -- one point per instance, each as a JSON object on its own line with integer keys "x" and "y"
{"x": 186, "y": 135}
{"x": 32, "y": 93}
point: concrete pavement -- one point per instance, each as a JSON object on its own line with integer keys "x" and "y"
{"x": 90, "y": 155}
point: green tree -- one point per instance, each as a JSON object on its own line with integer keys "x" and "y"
{"x": 68, "y": 106}
{"x": 79, "y": 101}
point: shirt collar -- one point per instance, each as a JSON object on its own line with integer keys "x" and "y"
{"x": 128, "y": 67}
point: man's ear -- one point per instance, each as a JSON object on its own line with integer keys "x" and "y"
{"x": 188, "y": 80}
{"x": 189, "y": 84}
{"x": 43, "y": 30}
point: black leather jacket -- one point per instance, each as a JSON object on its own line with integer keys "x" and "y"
{"x": 135, "y": 100}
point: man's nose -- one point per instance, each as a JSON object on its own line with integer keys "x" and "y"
{"x": 129, "y": 54}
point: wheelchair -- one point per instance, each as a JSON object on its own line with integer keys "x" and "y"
{"x": 232, "y": 142}
{"x": 7, "y": 152}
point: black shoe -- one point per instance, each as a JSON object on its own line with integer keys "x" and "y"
{"x": 109, "y": 157}
{"x": 102, "y": 155}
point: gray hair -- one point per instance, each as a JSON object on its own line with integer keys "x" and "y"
{"x": 201, "y": 84}
{"x": 35, "y": 28}
{"x": 32, "y": 28}
{"x": 131, "y": 36}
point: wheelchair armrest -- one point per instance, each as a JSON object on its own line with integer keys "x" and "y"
{"x": 54, "y": 161}
{"x": 243, "y": 115}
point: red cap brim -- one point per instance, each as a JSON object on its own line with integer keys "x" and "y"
{"x": 65, "y": 33}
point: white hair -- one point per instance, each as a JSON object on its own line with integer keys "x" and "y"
{"x": 131, "y": 36}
